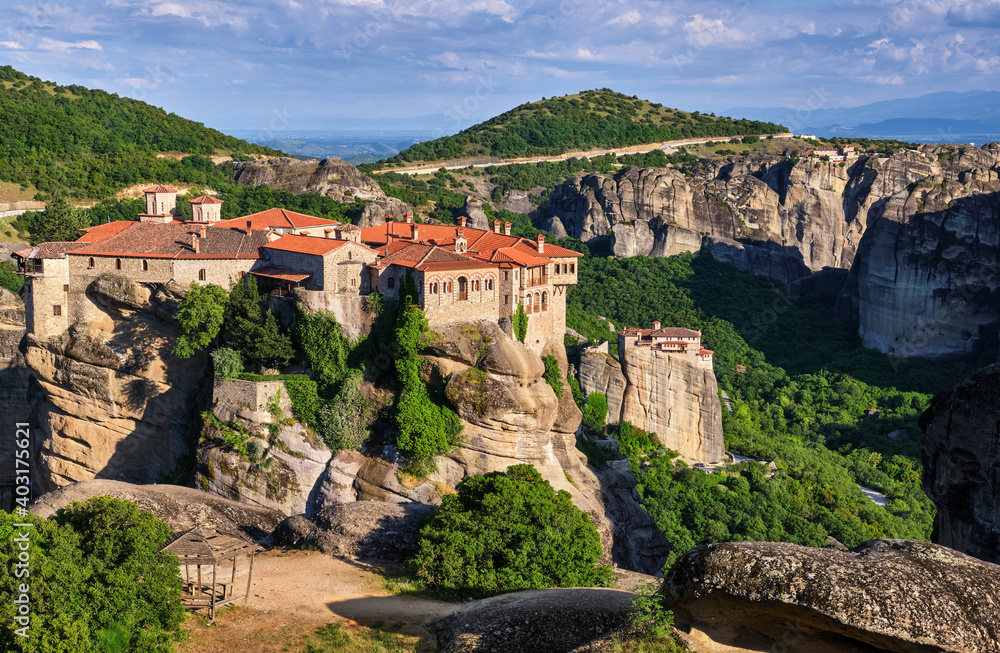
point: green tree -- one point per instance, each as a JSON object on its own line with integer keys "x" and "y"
{"x": 552, "y": 375}
{"x": 322, "y": 340}
{"x": 10, "y": 279}
{"x": 252, "y": 329}
{"x": 227, "y": 363}
{"x": 520, "y": 323}
{"x": 58, "y": 222}
{"x": 507, "y": 531}
{"x": 200, "y": 314}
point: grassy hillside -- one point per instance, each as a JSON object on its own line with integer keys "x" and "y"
{"x": 91, "y": 143}
{"x": 588, "y": 120}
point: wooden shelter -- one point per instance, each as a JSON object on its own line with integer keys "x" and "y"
{"x": 209, "y": 547}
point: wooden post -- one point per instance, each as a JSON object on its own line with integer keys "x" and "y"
{"x": 213, "y": 591}
{"x": 199, "y": 581}
{"x": 249, "y": 576}
{"x": 232, "y": 584}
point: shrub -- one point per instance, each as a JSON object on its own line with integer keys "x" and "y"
{"x": 200, "y": 314}
{"x": 304, "y": 396}
{"x": 10, "y": 279}
{"x": 520, "y": 323}
{"x": 552, "y": 375}
{"x": 322, "y": 340}
{"x": 227, "y": 363}
{"x": 344, "y": 423}
{"x": 507, "y": 531}
{"x": 595, "y": 411}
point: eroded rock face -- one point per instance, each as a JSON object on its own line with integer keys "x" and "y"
{"x": 672, "y": 397}
{"x": 113, "y": 401}
{"x": 961, "y": 457}
{"x": 182, "y": 508}
{"x": 925, "y": 279}
{"x": 603, "y": 373}
{"x": 14, "y": 374}
{"x": 381, "y": 210}
{"x": 332, "y": 177}
{"x": 885, "y": 595}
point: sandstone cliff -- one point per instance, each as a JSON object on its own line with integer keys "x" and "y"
{"x": 961, "y": 457}
{"x": 14, "y": 374}
{"x": 113, "y": 401}
{"x": 332, "y": 177}
{"x": 885, "y": 595}
{"x": 664, "y": 394}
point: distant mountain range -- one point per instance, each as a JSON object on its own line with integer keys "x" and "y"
{"x": 356, "y": 146}
{"x": 945, "y": 117}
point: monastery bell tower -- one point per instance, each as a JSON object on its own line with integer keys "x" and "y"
{"x": 161, "y": 205}
{"x": 206, "y": 209}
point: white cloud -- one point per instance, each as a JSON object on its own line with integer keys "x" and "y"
{"x": 52, "y": 45}
{"x": 708, "y": 31}
{"x": 11, "y": 45}
{"x": 627, "y": 19}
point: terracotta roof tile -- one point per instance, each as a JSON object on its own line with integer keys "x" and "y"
{"x": 175, "y": 240}
{"x": 205, "y": 199}
{"x": 103, "y": 231}
{"x": 160, "y": 189}
{"x": 307, "y": 244}
{"x": 277, "y": 219}
{"x": 280, "y": 273}
{"x": 46, "y": 250}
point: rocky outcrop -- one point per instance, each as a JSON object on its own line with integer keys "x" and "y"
{"x": 961, "y": 459}
{"x": 671, "y": 396}
{"x": 925, "y": 279}
{"x": 14, "y": 373}
{"x": 534, "y": 621}
{"x": 381, "y": 210}
{"x": 366, "y": 530}
{"x": 332, "y": 177}
{"x": 601, "y": 372}
{"x": 477, "y": 217}
{"x": 885, "y": 595}
{"x": 182, "y": 508}
{"x": 113, "y": 402}
{"x": 637, "y": 542}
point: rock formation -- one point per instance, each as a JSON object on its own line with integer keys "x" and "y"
{"x": 925, "y": 279}
{"x": 660, "y": 393}
{"x": 382, "y": 209}
{"x": 534, "y": 621}
{"x": 332, "y": 177}
{"x": 114, "y": 402}
{"x": 182, "y": 508}
{"x": 961, "y": 458}
{"x": 14, "y": 373}
{"x": 885, "y": 595}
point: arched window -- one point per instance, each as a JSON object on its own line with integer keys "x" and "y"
{"x": 118, "y": 264}
{"x": 202, "y": 275}
{"x": 90, "y": 262}
{"x": 475, "y": 285}
{"x": 463, "y": 289}
{"x": 489, "y": 284}
{"x": 350, "y": 256}
{"x": 391, "y": 283}
{"x": 527, "y": 304}
{"x": 145, "y": 265}
{"x": 545, "y": 301}
{"x": 538, "y": 303}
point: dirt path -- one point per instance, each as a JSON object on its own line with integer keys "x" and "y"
{"x": 294, "y": 593}
{"x": 668, "y": 146}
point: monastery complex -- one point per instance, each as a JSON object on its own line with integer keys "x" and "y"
{"x": 461, "y": 273}
{"x": 668, "y": 340}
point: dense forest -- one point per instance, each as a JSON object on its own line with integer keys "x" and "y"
{"x": 804, "y": 395}
{"x": 90, "y": 143}
{"x": 588, "y": 120}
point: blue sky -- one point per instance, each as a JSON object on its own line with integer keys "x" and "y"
{"x": 282, "y": 65}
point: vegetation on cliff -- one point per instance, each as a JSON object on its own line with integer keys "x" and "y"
{"x": 820, "y": 407}
{"x": 508, "y": 531}
{"x": 591, "y": 119}
{"x": 98, "y": 581}
{"x": 92, "y": 143}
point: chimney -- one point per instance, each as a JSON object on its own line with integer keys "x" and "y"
{"x": 506, "y": 228}
{"x": 389, "y": 219}
{"x": 249, "y": 227}
{"x": 496, "y": 226}
{"x": 203, "y": 231}
{"x": 413, "y": 227}
{"x": 327, "y": 232}
{"x": 195, "y": 243}
{"x": 656, "y": 326}
{"x": 461, "y": 220}
{"x": 408, "y": 217}
{"x": 540, "y": 241}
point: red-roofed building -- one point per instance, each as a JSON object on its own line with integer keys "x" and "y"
{"x": 333, "y": 266}
{"x": 670, "y": 340}
{"x": 161, "y": 205}
{"x": 282, "y": 221}
{"x": 464, "y": 274}
{"x": 206, "y": 209}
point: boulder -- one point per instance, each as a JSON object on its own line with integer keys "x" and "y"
{"x": 332, "y": 177}
{"x": 533, "y": 621}
{"x": 885, "y": 595}
{"x": 182, "y": 508}
{"x": 961, "y": 458}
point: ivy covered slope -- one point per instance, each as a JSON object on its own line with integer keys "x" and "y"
{"x": 93, "y": 143}
{"x": 587, "y": 120}
{"x": 804, "y": 394}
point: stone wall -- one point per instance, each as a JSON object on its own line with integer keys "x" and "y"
{"x": 304, "y": 263}
{"x": 44, "y": 296}
{"x": 250, "y": 399}
{"x": 344, "y": 269}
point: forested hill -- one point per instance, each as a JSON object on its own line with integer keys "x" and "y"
{"x": 587, "y": 120}
{"x": 92, "y": 143}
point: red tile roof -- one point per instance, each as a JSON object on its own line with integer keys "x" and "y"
{"x": 160, "y": 189}
{"x": 175, "y": 240}
{"x": 427, "y": 258}
{"x": 205, "y": 199}
{"x": 46, "y": 250}
{"x": 106, "y": 230}
{"x": 277, "y": 219}
{"x": 705, "y": 352}
{"x": 307, "y": 244}
{"x": 666, "y": 332}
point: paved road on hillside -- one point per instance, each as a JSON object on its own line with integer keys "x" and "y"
{"x": 667, "y": 146}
